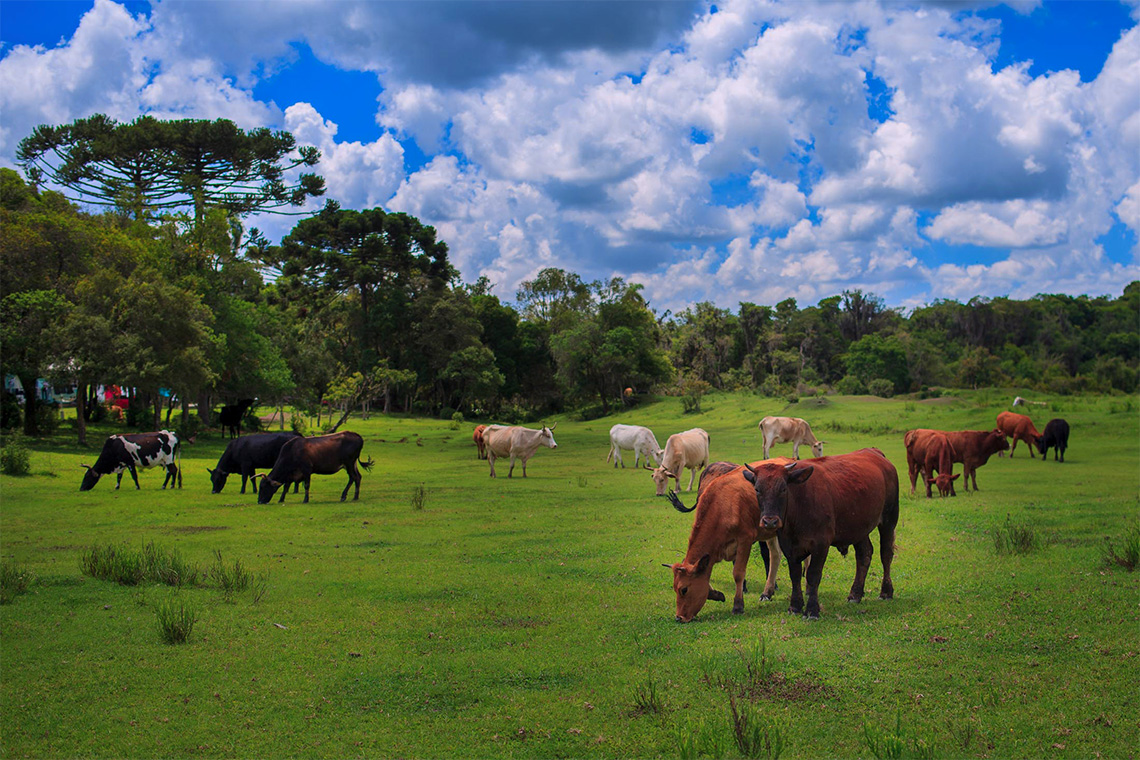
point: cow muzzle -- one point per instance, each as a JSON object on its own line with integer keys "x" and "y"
{"x": 771, "y": 523}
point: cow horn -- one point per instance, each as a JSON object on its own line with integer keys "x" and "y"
{"x": 790, "y": 465}
{"x": 85, "y": 466}
{"x": 210, "y": 471}
{"x": 666, "y": 564}
{"x": 553, "y": 426}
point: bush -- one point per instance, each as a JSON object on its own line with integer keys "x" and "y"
{"x": 251, "y": 423}
{"x": 10, "y": 416}
{"x": 190, "y": 426}
{"x": 47, "y": 417}
{"x": 881, "y": 387}
{"x": 176, "y": 620}
{"x": 15, "y": 459}
{"x": 851, "y": 386}
{"x": 297, "y": 423}
{"x": 456, "y": 420}
{"x": 771, "y": 386}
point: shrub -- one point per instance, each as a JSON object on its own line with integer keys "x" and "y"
{"x": 1128, "y": 556}
{"x": 297, "y": 423}
{"x": 1015, "y": 538}
{"x": 851, "y": 385}
{"x": 10, "y": 416}
{"x": 176, "y": 620}
{"x": 47, "y": 417}
{"x": 189, "y": 427}
{"x": 456, "y": 420}
{"x": 692, "y": 389}
{"x": 15, "y": 459}
{"x": 881, "y": 387}
{"x": 14, "y": 581}
{"x": 419, "y": 495}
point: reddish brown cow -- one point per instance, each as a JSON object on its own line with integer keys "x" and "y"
{"x": 1019, "y": 428}
{"x": 726, "y": 526}
{"x": 971, "y": 448}
{"x": 480, "y": 444}
{"x": 831, "y": 501}
{"x": 937, "y": 454}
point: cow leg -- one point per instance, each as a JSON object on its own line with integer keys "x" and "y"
{"x": 1013, "y": 447}
{"x": 772, "y": 546}
{"x": 285, "y": 490}
{"x": 928, "y": 478}
{"x": 491, "y": 460}
{"x": 244, "y": 478}
{"x": 796, "y": 449}
{"x": 912, "y": 470}
{"x": 119, "y": 480}
{"x": 974, "y": 477}
{"x": 863, "y": 553}
{"x": 169, "y": 477}
{"x": 524, "y": 465}
{"x": 886, "y": 555}
{"x": 1029, "y": 445}
{"x": 135, "y": 476}
{"x": 692, "y": 477}
{"x": 795, "y": 570}
{"x": 814, "y": 576}
{"x": 511, "y": 471}
{"x": 306, "y": 499}
{"x": 739, "y": 570}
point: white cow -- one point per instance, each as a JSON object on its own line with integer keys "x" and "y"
{"x": 517, "y": 443}
{"x": 791, "y": 430}
{"x": 688, "y": 449}
{"x": 640, "y": 439}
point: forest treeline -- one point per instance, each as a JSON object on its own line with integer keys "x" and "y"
{"x": 172, "y": 296}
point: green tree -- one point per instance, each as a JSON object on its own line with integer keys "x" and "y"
{"x": 28, "y": 321}
{"x": 150, "y": 165}
{"x": 874, "y": 356}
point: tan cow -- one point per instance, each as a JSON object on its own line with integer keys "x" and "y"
{"x": 516, "y": 442}
{"x": 791, "y": 430}
{"x": 689, "y": 449}
{"x": 480, "y": 446}
{"x": 1019, "y": 428}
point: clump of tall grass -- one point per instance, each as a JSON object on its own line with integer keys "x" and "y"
{"x": 755, "y": 736}
{"x": 885, "y": 744}
{"x": 14, "y": 581}
{"x": 419, "y": 496}
{"x": 128, "y": 567}
{"x": 1128, "y": 555}
{"x": 229, "y": 578}
{"x": 176, "y": 618}
{"x": 647, "y": 699}
{"x": 1015, "y": 537}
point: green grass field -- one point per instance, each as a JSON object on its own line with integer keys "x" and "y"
{"x": 532, "y": 618}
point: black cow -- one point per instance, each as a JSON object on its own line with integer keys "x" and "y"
{"x": 230, "y": 416}
{"x": 1056, "y": 435}
{"x": 245, "y": 455}
{"x": 126, "y": 452}
{"x": 301, "y": 458}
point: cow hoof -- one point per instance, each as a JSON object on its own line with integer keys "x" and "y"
{"x": 887, "y": 595}
{"x": 765, "y": 597}
{"x": 738, "y": 609}
{"x": 854, "y": 599}
{"x": 810, "y": 616}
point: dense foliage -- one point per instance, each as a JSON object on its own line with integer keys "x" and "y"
{"x": 357, "y": 308}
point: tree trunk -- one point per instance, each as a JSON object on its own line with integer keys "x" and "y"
{"x": 29, "y": 384}
{"x": 204, "y": 411}
{"x": 169, "y": 409}
{"x": 343, "y": 417}
{"x": 157, "y": 410}
{"x": 81, "y": 412}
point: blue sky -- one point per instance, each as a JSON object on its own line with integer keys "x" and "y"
{"x": 742, "y": 151}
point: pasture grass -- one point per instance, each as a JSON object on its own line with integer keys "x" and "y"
{"x": 522, "y": 618}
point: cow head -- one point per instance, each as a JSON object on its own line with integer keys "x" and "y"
{"x": 658, "y": 456}
{"x": 772, "y": 482}
{"x": 817, "y": 449}
{"x": 266, "y": 488}
{"x": 944, "y": 482}
{"x": 218, "y": 479}
{"x": 996, "y": 442}
{"x": 691, "y": 585}
{"x": 661, "y": 479}
{"x": 89, "y": 479}
{"x": 546, "y": 437}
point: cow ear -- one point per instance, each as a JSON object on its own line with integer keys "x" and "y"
{"x": 749, "y": 475}
{"x": 703, "y": 565}
{"x": 666, "y": 564}
{"x": 715, "y": 595}
{"x": 801, "y": 475}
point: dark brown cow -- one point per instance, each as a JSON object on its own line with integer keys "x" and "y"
{"x": 1056, "y": 435}
{"x": 480, "y": 444}
{"x": 1019, "y": 428}
{"x": 972, "y": 449}
{"x": 831, "y": 501}
{"x": 726, "y": 526}
{"x": 301, "y": 458}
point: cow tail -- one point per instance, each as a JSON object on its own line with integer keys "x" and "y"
{"x": 677, "y": 503}
{"x": 178, "y": 459}
{"x": 367, "y": 464}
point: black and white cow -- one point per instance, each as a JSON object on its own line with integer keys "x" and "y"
{"x": 246, "y": 455}
{"x": 126, "y": 452}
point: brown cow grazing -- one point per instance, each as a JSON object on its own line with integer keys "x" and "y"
{"x": 831, "y": 501}
{"x": 971, "y": 448}
{"x": 937, "y": 454}
{"x": 726, "y": 526}
{"x": 301, "y": 458}
{"x": 689, "y": 449}
{"x": 517, "y": 443}
{"x": 1019, "y": 428}
{"x": 480, "y": 444}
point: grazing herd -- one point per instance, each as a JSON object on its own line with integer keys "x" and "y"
{"x": 797, "y": 509}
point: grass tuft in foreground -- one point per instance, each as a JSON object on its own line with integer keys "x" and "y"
{"x": 230, "y": 579}
{"x": 1015, "y": 537}
{"x": 1128, "y": 555}
{"x": 885, "y": 744}
{"x": 176, "y": 619}
{"x": 14, "y": 581}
